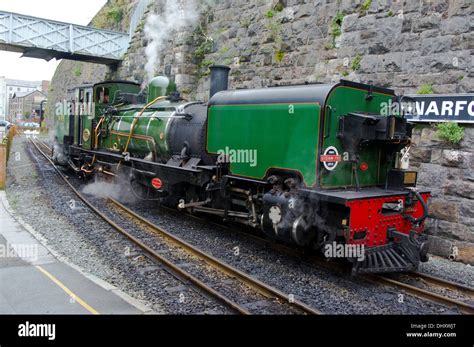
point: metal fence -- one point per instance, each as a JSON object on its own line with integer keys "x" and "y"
{"x": 140, "y": 9}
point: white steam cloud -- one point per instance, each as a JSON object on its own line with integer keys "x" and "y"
{"x": 119, "y": 190}
{"x": 176, "y": 16}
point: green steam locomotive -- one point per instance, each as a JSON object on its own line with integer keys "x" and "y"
{"x": 317, "y": 165}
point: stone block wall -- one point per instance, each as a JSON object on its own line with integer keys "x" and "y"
{"x": 399, "y": 44}
{"x": 448, "y": 172}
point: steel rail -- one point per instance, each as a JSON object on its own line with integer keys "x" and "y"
{"x": 337, "y": 267}
{"x": 443, "y": 283}
{"x": 423, "y": 293}
{"x": 257, "y": 285}
{"x": 154, "y": 255}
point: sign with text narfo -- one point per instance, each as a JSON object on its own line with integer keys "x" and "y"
{"x": 443, "y": 107}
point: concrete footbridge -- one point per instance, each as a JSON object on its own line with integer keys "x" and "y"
{"x": 47, "y": 39}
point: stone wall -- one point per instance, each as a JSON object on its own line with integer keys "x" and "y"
{"x": 448, "y": 172}
{"x": 399, "y": 44}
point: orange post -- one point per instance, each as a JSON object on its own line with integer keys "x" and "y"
{"x": 3, "y": 166}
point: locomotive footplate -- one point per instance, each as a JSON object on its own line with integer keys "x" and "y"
{"x": 404, "y": 253}
{"x": 384, "y": 225}
{"x": 343, "y": 196}
{"x": 147, "y": 170}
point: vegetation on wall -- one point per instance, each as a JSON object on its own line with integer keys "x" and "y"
{"x": 203, "y": 44}
{"x": 336, "y": 26}
{"x": 364, "y": 7}
{"x": 425, "y": 89}
{"x": 279, "y": 6}
{"x": 78, "y": 70}
{"x": 450, "y": 132}
{"x": 112, "y": 16}
{"x": 355, "y": 64}
{"x": 273, "y": 24}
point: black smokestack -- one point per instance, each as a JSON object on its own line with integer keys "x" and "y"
{"x": 219, "y": 79}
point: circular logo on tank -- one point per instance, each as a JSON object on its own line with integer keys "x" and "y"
{"x": 364, "y": 166}
{"x": 330, "y": 158}
{"x": 156, "y": 183}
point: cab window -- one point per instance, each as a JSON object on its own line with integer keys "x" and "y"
{"x": 102, "y": 95}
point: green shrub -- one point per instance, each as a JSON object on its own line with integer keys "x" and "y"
{"x": 78, "y": 71}
{"x": 425, "y": 89}
{"x": 336, "y": 25}
{"x": 115, "y": 14}
{"x": 269, "y": 14}
{"x": 364, "y": 7}
{"x": 355, "y": 65}
{"x": 450, "y": 131}
{"x": 279, "y": 7}
{"x": 207, "y": 63}
{"x": 279, "y": 55}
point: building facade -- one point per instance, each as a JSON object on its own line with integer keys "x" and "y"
{"x": 8, "y": 87}
{"x": 26, "y": 106}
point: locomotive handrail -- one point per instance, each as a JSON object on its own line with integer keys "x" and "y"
{"x": 134, "y": 123}
{"x": 327, "y": 128}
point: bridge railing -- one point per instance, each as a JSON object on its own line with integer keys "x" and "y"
{"x": 25, "y": 33}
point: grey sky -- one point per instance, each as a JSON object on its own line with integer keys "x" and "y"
{"x": 76, "y": 12}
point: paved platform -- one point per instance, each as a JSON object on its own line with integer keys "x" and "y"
{"x": 34, "y": 281}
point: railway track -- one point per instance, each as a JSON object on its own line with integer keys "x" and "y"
{"x": 269, "y": 293}
{"x": 262, "y": 288}
{"x": 436, "y": 284}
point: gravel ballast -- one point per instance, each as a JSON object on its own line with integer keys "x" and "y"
{"x": 39, "y": 196}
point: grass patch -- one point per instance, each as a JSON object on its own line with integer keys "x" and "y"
{"x": 78, "y": 71}
{"x": 425, "y": 89}
{"x": 279, "y": 55}
{"x": 450, "y": 132}
{"x": 336, "y": 25}
{"x": 355, "y": 64}
{"x": 279, "y": 7}
{"x": 269, "y": 14}
{"x": 364, "y": 7}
